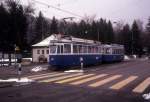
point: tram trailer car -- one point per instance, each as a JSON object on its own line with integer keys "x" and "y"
{"x": 112, "y": 53}
{"x": 68, "y": 54}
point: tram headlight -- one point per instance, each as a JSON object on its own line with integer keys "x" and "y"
{"x": 97, "y": 58}
{"x": 52, "y": 59}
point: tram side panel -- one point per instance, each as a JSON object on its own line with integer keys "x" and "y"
{"x": 112, "y": 58}
{"x": 74, "y": 60}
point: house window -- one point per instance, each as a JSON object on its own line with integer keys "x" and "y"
{"x": 47, "y": 51}
{"x": 38, "y": 51}
{"x": 42, "y": 51}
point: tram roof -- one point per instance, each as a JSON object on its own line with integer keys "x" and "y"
{"x": 64, "y": 39}
{"x": 113, "y": 45}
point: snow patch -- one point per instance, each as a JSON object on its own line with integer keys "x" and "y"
{"x": 134, "y": 56}
{"x": 126, "y": 57}
{"x": 74, "y": 71}
{"x": 21, "y": 80}
{"x": 38, "y": 68}
{"x": 146, "y": 96}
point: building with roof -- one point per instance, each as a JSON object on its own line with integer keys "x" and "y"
{"x": 40, "y": 51}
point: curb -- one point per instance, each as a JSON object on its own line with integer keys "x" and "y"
{"x": 6, "y": 84}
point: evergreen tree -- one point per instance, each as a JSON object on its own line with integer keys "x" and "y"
{"x": 127, "y": 39}
{"x": 54, "y": 26}
{"x": 94, "y": 31}
{"x": 39, "y": 34}
{"x": 148, "y": 26}
{"x": 110, "y": 33}
{"x": 82, "y": 30}
{"x": 4, "y": 23}
{"x": 18, "y": 24}
{"x": 147, "y": 37}
{"x": 102, "y": 30}
{"x": 136, "y": 41}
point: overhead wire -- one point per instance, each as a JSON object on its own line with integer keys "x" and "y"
{"x": 59, "y": 9}
{"x": 66, "y": 2}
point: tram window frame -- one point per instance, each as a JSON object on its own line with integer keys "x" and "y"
{"x": 67, "y": 48}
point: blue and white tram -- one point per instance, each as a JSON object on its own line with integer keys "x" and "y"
{"x": 71, "y": 53}
{"x": 113, "y": 53}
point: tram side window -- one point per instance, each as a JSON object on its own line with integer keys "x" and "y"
{"x": 58, "y": 49}
{"x": 84, "y": 49}
{"x": 122, "y": 51}
{"x": 107, "y": 50}
{"x": 89, "y": 49}
{"x": 80, "y": 49}
{"x": 61, "y": 48}
{"x": 67, "y": 48}
{"x": 93, "y": 50}
{"x": 96, "y": 49}
{"x": 113, "y": 51}
{"x": 75, "y": 49}
{"x": 53, "y": 49}
{"x": 99, "y": 50}
{"x": 116, "y": 51}
{"x": 103, "y": 50}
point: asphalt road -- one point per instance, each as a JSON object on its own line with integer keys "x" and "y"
{"x": 115, "y": 82}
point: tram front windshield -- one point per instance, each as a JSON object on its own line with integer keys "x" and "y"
{"x": 53, "y": 48}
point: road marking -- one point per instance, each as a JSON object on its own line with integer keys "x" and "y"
{"x": 31, "y": 76}
{"x": 75, "y": 78}
{"x": 123, "y": 83}
{"x": 61, "y": 77}
{"x": 88, "y": 79}
{"x": 102, "y": 82}
{"x": 141, "y": 87}
{"x": 48, "y": 76}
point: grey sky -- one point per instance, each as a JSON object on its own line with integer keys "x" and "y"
{"x": 115, "y": 10}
